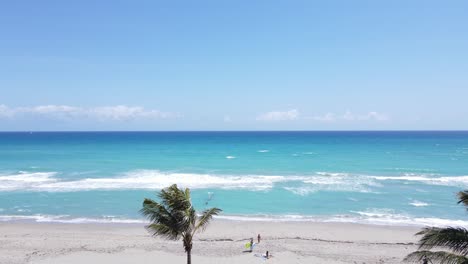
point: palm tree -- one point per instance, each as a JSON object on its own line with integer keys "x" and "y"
{"x": 174, "y": 217}
{"x": 455, "y": 239}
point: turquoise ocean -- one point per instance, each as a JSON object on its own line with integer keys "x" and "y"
{"x": 394, "y": 178}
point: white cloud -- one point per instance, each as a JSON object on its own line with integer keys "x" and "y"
{"x": 374, "y": 116}
{"x": 5, "y": 112}
{"x": 103, "y": 113}
{"x": 328, "y": 117}
{"x": 350, "y": 117}
{"x": 122, "y": 112}
{"x": 227, "y": 119}
{"x": 46, "y": 109}
{"x": 292, "y": 114}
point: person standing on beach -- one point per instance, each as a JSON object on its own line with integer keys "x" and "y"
{"x": 258, "y": 238}
{"x": 425, "y": 261}
{"x": 251, "y": 244}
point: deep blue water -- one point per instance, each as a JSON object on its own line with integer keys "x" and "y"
{"x": 377, "y": 177}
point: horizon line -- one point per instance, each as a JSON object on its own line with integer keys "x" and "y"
{"x": 156, "y": 131}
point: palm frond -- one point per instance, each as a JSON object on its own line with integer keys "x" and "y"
{"x": 455, "y": 238}
{"x": 463, "y": 198}
{"x": 163, "y": 230}
{"x": 153, "y": 210}
{"x": 160, "y": 216}
{"x": 191, "y": 217}
{"x": 174, "y": 199}
{"x": 440, "y": 257}
{"x": 187, "y": 194}
{"x": 205, "y": 218}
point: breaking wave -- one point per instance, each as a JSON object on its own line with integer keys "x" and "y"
{"x": 418, "y": 204}
{"x": 372, "y": 217}
{"x": 154, "y": 179}
{"x": 461, "y": 181}
{"x": 389, "y": 217}
{"x": 68, "y": 220}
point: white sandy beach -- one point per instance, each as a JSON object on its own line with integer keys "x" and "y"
{"x": 222, "y": 242}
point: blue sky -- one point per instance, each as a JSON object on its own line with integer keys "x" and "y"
{"x": 233, "y": 65}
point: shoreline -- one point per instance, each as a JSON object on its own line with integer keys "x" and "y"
{"x": 377, "y": 220}
{"x": 222, "y": 242}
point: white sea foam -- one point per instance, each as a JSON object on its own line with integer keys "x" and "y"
{"x": 372, "y": 216}
{"x": 324, "y": 173}
{"x": 401, "y": 178}
{"x": 418, "y": 204}
{"x": 230, "y": 157}
{"x": 84, "y": 220}
{"x": 268, "y": 218}
{"x": 263, "y": 150}
{"x": 36, "y": 218}
{"x": 334, "y": 182}
{"x": 390, "y": 217}
{"x": 154, "y": 179}
{"x": 139, "y": 179}
{"x": 67, "y": 219}
{"x": 23, "y": 176}
{"x": 302, "y": 191}
{"x": 147, "y": 179}
{"x": 411, "y": 169}
{"x": 461, "y": 181}
{"x": 25, "y": 180}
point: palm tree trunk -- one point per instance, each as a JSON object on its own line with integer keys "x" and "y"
{"x": 188, "y": 247}
{"x": 189, "y": 256}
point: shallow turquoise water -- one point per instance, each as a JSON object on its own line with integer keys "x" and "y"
{"x": 371, "y": 177}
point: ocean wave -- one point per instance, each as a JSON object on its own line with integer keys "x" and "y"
{"x": 154, "y": 179}
{"x": 263, "y": 151}
{"x": 418, "y": 204}
{"x": 460, "y": 181}
{"x": 390, "y": 217}
{"x": 66, "y": 219}
{"x": 373, "y": 217}
{"x": 411, "y": 169}
{"x": 382, "y": 217}
{"x": 341, "y": 182}
{"x": 150, "y": 179}
{"x": 25, "y": 180}
{"x": 325, "y": 173}
{"x": 24, "y": 176}
{"x": 139, "y": 179}
{"x": 230, "y": 157}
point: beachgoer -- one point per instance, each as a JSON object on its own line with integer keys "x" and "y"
{"x": 258, "y": 238}
{"x": 251, "y": 244}
{"x": 267, "y": 255}
{"x": 425, "y": 260}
